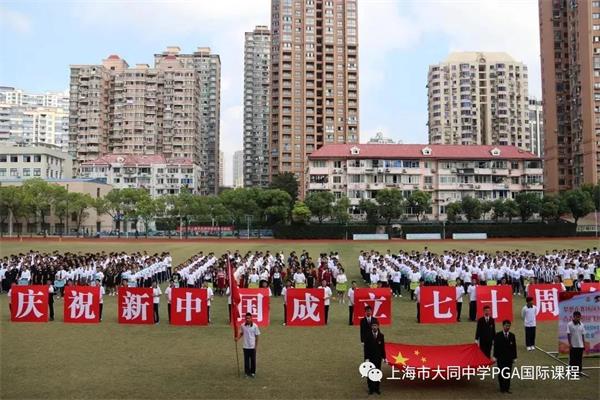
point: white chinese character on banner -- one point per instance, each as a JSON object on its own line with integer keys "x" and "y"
{"x": 495, "y": 301}
{"x": 377, "y": 303}
{"x": 188, "y": 304}
{"x": 26, "y": 304}
{"x": 253, "y": 304}
{"x": 547, "y": 301}
{"x": 135, "y": 307}
{"x": 305, "y": 309}
{"x": 80, "y": 306}
{"x": 436, "y": 306}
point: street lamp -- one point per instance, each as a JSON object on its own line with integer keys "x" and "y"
{"x": 248, "y": 221}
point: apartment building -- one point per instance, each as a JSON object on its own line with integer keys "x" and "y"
{"x": 155, "y": 173}
{"x": 478, "y": 98}
{"x": 238, "y": 169}
{"x": 536, "y": 127}
{"x": 26, "y": 161}
{"x": 448, "y": 172}
{"x": 314, "y": 80}
{"x": 257, "y": 66}
{"x": 570, "y": 58}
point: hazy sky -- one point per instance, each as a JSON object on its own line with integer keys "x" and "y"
{"x": 398, "y": 39}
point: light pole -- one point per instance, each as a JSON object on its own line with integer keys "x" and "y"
{"x": 248, "y": 220}
{"x": 443, "y": 230}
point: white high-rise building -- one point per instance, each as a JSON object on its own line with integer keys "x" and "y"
{"x": 238, "y": 169}
{"x": 479, "y": 98}
{"x": 536, "y": 127}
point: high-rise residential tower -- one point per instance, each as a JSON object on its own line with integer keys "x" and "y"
{"x": 478, "y": 98}
{"x": 257, "y": 60}
{"x": 570, "y": 55}
{"x": 238, "y": 169}
{"x": 536, "y": 126}
{"x": 314, "y": 80}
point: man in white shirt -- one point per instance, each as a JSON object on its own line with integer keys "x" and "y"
{"x": 209, "y": 297}
{"x": 326, "y": 298}
{"x": 528, "y": 314}
{"x": 156, "y": 292}
{"x": 102, "y": 293}
{"x": 168, "y": 293}
{"x": 351, "y": 302}
{"x": 418, "y": 297}
{"x": 576, "y": 336}
{"x": 250, "y": 332}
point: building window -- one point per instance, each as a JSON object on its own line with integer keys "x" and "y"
{"x": 14, "y": 159}
{"x": 37, "y": 172}
{"x": 2, "y": 171}
{"x": 26, "y": 172}
{"x": 13, "y": 172}
{"x": 37, "y": 158}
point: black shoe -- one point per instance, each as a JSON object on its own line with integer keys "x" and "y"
{"x": 370, "y": 392}
{"x": 508, "y": 392}
{"x": 378, "y": 392}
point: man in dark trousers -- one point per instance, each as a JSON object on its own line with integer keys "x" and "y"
{"x": 365, "y": 327}
{"x": 505, "y": 353}
{"x": 375, "y": 353}
{"x": 486, "y": 329}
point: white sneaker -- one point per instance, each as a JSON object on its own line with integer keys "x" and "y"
{"x": 399, "y": 295}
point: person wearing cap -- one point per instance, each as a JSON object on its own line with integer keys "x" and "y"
{"x": 250, "y": 332}
{"x": 365, "y": 327}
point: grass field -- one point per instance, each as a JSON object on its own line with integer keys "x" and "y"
{"x": 57, "y": 360}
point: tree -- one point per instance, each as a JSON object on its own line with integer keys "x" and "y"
{"x": 300, "y": 213}
{"x": 181, "y": 207}
{"x": 273, "y": 205}
{"x": 594, "y": 191}
{"x": 511, "y": 209}
{"x": 287, "y": 182}
{"x": 340, "y": 210}
{"x": 38, "y": 200}
{"x": 240, "y": 203}
{"x": 146, "y": 210}
{"x": 486, "y": 207}
{"x": 390, "y": 204}
{"x": 551, "y": 208}
{"x": 453, "y": 211}
{"x": 78, "y": 205}
{"x": 529, "y": 204}
{"x": 11, "y": 205}
{"x": 370, "y": 209}
{"x": 419, "y": 202}
{"x": 499, "y": 209}
{"x": 579, "y": 203}
{"x": 471, "y": 207}
{"x": 320, "y": 204}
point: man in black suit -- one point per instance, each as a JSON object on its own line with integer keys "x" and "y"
{"x": 375, "y": 353}
{"x": 505, "y": 353}
{"x": 365, "y": 327}
{"x": 486, "y": 329}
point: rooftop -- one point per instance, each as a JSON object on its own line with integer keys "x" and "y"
{"x": 475, "y": 56}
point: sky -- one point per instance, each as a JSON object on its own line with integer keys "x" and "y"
{"x": 398, "y": 40}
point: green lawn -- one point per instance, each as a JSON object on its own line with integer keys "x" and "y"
{"x": 56, "y": 360}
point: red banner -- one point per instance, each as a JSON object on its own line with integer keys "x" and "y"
{"x": 545, "y": 297}
{"x": 188, "y": 306}
{"x": 135, "y": 306}
{"x": 590, "y": 286}
{"x": 29, "y": 303}
{"x": 380, "y": 301}
{"x": 438, "y": 304}
{"x": 82, "y": 304}
{"x": 305, "y": 307}
{"x": 256, "y": 302}
{"x": 498, "y": 298}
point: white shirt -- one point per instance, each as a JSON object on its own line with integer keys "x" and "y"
{"x": 299, "y": 278}
{"x": 249, "y": 333}
{"x": 418, "y": 293}
{"x": 576, "y": 332}
{"x": 460, "y": 291}
{"x": 168, "y": 293}
{"x": 327, "y": 290}
{"x": 156, "y": 292}
{"x": 472, "y": 290}
{"x": 102, "y": 293}
{"x": 209, "y": 296}
{"x": 351, "y": 297}
{"x": 528, "y": 315}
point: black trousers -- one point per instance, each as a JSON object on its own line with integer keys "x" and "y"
{"x": 229, "y": 309}
{"x": 529, "y": 336}
{"x": 350, "y": 312}
{"x": 419, "y": 312}
{"x": 249, "y": 361}
{"x": 458, "y": 310}
{"x": 208, "y": 313}
{"x": 100, "y": 311}
{"x": 51, "y": 310}
{"x": 156, "y": 317}
{"x": 374, "y": 385}
{"x": 277, "y": 286}
{"x": 326, "y": 313}
{"x": 284, "y": 314}
{"x": 396, "y": 288}
{"x": 169, "y": 311}
{"x": 506, "y": 368}
{"x": 486, "y": 347}
{"x": 472, "y": 310}
{"x": 576, "y": 357}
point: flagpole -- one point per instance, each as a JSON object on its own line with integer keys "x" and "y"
{"x": 237, "y": 358}
{"x": 232, "y": 315}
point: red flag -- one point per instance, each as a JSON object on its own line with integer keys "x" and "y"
{"x": 444, "y": 360}
{"x": 234, "y": 292}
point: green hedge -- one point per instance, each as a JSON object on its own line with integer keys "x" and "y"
{"x": 493, "y": 230}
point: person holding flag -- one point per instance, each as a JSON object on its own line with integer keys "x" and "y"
{"x": 250, "y": 333}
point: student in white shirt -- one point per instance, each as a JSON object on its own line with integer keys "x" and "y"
{"x": 156, "y": 292}
{"x": 209, "y": 297}
{"x": 351, "y": 302}
{"x": 528, "y": 314}
{"x": 576, "y": 336}
{"x": 288, "y": 286}
{"x": 250, "y": 332}
{"x": 418, "y": 297}
{"x": 168, "y": 293}
{"x": 326, "y": 298}
{"x": 341, "y": 284}
{"x": 460, "y": 292}
{"x": 472, "y": 291}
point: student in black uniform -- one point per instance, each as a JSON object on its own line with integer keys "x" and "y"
{"x": 365, "y": 327}
{"x": 50, "y": 300}
{"x": 505, "y": 353}
{"x": 486, "y": 329}
{"x": 374, "y": 352}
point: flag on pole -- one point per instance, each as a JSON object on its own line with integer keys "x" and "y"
{"x": 235, "y": 298}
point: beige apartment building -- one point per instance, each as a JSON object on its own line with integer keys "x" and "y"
{"x": 448, "y": 172}
{"x": 171, "y": 109}
{"x": 478, "y": 98}
{"x": 314, "y": 80}
{"x": 570, "y": 56}
{"x": 26, "y": 161}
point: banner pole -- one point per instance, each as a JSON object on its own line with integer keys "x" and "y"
{"x": 237, "y": 358}
{"x": 559, "y": 360}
